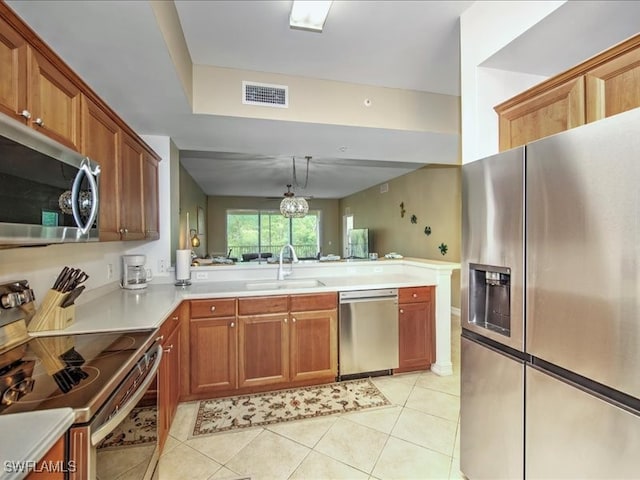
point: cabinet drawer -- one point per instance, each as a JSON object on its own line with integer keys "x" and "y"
{"x": 171, "y": 322}
{"x": 311, "y": 302}
{"x": 219, "y": 307}
{"x": 415, "y": 294}
{"x": 260, "y": 305}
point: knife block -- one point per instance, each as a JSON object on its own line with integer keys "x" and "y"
{"x": 50, "y": 315}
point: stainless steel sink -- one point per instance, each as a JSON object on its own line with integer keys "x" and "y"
{"x": 280, "y": 284}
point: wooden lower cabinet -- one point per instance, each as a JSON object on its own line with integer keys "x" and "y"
{"x": 313, "y": 345}
{"x": 213, "y": 355}
{"x": 416, "y": 329}
{"x": 53, "y": 460}
{"x": 263, "y": 347}
{"x": 169, "y": 373}
{"x": 273, "y": 342}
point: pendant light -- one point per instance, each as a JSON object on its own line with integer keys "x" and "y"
{"x": 292, "y": 206}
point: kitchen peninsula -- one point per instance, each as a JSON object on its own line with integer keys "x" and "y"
{"x": 119, "y": 310}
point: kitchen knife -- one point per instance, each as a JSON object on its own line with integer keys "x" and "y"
{"x": 72, "y": 296}
{"x": 61, "y": 276}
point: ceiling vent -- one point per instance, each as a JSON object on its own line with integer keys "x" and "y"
{"x": 265, "y": 94}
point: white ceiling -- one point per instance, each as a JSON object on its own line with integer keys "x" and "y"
{"x": 118, "y": 49}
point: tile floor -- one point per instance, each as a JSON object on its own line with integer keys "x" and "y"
{"x": 418, "y": 437}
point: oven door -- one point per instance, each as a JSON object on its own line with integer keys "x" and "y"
{"x": 122, "y": 440}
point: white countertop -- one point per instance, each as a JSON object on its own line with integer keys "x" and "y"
{"x": 27, "y": 437}
{"x": 147, "y": 308}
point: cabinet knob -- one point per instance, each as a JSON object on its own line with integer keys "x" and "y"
{"x": 213, "y": 308}
{"x": 126, "y": 230}
{"x": 233, "y": 324}
{"x": 293, "y": 319}
{"x": 121, "y": 230}
{"x": 175, "y": 319}
{"x": 160, "y": 338}
{"x": 38, "y": 121}
{"x": 414, "y": 295}
{"x": 25, "y": 114}
{"x": 169, "y": 348}
{"x": 402, "y": 310}
{"x": 285, "y": 320}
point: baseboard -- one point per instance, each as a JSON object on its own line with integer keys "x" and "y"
{"x": 455, "y": 311}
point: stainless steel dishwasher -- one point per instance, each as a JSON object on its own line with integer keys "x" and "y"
{"x": 368, "y": 331}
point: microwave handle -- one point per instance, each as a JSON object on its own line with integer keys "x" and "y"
{"x": 75, "y": 192}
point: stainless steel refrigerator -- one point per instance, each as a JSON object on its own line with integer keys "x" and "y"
{"x": 578, "y": 363}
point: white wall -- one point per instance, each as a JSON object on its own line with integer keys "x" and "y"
{"x": 485, "y": 28}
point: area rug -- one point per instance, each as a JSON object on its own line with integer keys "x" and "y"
{"x": 138, "y": 428}
{"x": 260, "y": 409}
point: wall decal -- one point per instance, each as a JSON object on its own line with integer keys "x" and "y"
{"x": 427, "y": 230}
{"x": 414, "y": 219}
{"x": 402, "y": 210}
{"x": 443, "y": 248}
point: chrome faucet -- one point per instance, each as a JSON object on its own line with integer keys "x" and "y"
{"x": 281, "y": 271}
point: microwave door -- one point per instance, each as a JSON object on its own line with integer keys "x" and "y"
{"x": 41, "y": 184}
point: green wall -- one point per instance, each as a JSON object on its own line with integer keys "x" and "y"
{"x": 433, "y": 195}
{"x": 191, "y": 199}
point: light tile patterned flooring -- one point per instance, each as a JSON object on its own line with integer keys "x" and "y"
{"x": 416, "y": 438}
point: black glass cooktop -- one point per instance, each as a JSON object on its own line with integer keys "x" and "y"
{"x": 76, "y": 371}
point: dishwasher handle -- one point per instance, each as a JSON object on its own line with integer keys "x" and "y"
{"x": 357, "y": 296}
{"x": 368, "y": 300}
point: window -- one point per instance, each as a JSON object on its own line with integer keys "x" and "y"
{"x": 254, "y": 233}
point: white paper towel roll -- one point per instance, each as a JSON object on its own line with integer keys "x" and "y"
{"x": 183, "y": 264}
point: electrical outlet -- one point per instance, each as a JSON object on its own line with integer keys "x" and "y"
{"x": 202, "y": 275}
{"x": 162, "y": 265}
{"x": 109, "y": 271}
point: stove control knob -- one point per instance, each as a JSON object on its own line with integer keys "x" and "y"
{"x": 15, "y": 299}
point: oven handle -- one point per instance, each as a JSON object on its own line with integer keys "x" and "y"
{"x": 114, "y": 421}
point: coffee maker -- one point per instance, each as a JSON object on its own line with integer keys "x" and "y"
{"x": 134, "y": 275}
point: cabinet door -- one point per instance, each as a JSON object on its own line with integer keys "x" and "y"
{"x": 263, "y": 344}
{"x": 314, "y": 345}
{"x": 13, "y": 72}
{"x": 54, "y": 101}
{"x": 55, "y": 456}
{"x": 614, "y": 87}
{"x": 101, "y": 142}
{"x": 150, "y": 189}
{"x": 417, "y": 349}
{"x": 131, "y": 189}
{"x": 213, "y": 353}
{"x": 530, "y": 117}
{"x": 168, "y": 384}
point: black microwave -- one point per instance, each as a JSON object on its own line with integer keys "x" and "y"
{"x": 48, "y": 192}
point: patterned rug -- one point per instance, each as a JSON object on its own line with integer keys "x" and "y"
{"x": 138, "y": 428}
{"x": 244, "y": 411}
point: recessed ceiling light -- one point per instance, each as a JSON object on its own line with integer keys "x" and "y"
{"x": 309, "y": 15}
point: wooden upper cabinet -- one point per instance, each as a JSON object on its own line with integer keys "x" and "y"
{"x": 35, "y": 91}
{"x": 542, "y": 115}
{"x": 131, "y": 189}
{"x": 101, "y": 142}
{"x": 13, "y": 72}
{"x": 614, "y": 87}
{"x": 54, "y": 101}
{"x": 602, "y": 86}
